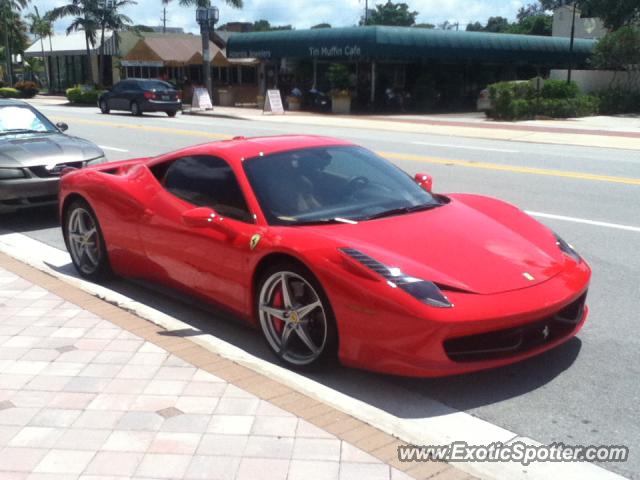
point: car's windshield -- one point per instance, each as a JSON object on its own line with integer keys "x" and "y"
{"x": 16, "y": 119}
{"x": 155, "y": 85}
{"x": 317, "y": 185}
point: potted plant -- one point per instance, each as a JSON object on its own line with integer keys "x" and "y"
{"x": 340, "y": 94}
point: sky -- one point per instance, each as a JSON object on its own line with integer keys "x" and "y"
{"x": 306, "y": 13}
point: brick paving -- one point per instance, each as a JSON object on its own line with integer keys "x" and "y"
{"x": 83, "y": 397}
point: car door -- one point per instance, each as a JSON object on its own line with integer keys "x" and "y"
{"x": 204, "y": 260}
{"x": 115, "y": 99}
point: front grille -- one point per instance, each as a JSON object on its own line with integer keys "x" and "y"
{"x": 517, "y": 340}
{"x": 43, "y": 172}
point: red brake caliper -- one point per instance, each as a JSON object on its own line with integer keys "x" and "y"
{"x": 278, "y": 302}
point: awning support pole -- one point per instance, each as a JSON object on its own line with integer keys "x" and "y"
{"x": 373, "y": 82}
{"x": 315, "y": 73}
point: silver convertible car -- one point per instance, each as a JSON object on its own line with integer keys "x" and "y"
{"x": 33, "y": 153}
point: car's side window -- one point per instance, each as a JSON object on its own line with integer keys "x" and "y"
{"x": 207, "y": 181}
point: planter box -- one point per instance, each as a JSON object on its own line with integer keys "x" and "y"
{"x": 341, "y": 105}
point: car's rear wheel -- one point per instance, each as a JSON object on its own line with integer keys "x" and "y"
{"x": 135, "y": 109}
{"x": 85, "y": 241}
{"x": 172, "y": 113}
{"x": 104, "y": 106}
{"x": 295, "y": 316}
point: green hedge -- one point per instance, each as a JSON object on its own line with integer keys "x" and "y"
{"x": 556, "y": 99}
{"x": 83, "y": 96}
{"x": 8, "y": 92}
{"x": 618, "y": 100}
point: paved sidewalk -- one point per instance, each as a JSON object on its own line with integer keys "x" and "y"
{"x": 83, "y": 397}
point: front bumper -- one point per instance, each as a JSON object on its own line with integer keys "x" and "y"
{"x": 28, "y": 192}
{"x": 387, "y": 331}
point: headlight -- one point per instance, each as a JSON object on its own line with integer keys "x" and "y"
{"x": 11, "y": 173}
{"x": 423, "y": 290}
{"x": 95, "y": 161}
{"x": 567, "y": 249}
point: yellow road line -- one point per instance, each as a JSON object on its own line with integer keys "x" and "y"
{"x": 391, "y": 155}
{"x": 146, "y": 128}
{"x": 511, "y": 168}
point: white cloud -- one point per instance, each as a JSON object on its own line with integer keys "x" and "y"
{"x": 305, "y": 13}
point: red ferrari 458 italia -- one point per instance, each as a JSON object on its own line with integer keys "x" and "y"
{"x": 331, "y": 250}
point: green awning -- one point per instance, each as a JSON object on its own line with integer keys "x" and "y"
{"x": 405, "y": 43}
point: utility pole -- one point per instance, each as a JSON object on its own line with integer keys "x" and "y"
{"x": 366, "y": 12}
{"x": 207, "y": 17}
{"x": 571, "y": 41}
{"x": 164, "y": 19}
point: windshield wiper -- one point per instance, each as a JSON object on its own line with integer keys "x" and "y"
{"x": 402, "y": 210}
{"x": 22, "y": 130}
{"x": 325, "y": 221}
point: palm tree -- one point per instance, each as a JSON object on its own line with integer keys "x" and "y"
{"x": 42, "y": 27}
{"x": 85, "y": 13}
{"x": 8, "y": 10}
{"x": 110, "y": 18}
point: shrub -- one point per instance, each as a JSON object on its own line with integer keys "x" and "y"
{"x": 8, "y": 92}
{"x": 559, "y": 89}
{"x": 618, "y": 100}
{"x": 83, "y": 96}
{"x": 27, "y": 88}
{"x": 557, "y": 99}
{"x": 338, "y": 75}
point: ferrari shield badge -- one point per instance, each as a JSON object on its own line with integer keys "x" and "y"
{"x": 253, "y": 243}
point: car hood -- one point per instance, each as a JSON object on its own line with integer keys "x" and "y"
{"x": 473, "y": 243}
{"x": 54, "y": 148}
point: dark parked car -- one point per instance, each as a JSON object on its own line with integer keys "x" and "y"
{"x": 139, "y": 95}
{"x": 33, "y": 153}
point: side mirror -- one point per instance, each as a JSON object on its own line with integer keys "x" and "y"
{"x": 425, "y": 181}
{"x": 204, "y": 217}
{"x": 63, "y": 127}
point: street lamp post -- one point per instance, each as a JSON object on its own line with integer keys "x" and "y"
{"x": 571, "y": 42}
{"x": 207, "y": 17}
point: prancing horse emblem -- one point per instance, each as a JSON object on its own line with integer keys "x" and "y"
{"x": 253, "y": 243}
{"x": 528, "y": 276}
{"x": 546, "y": 331}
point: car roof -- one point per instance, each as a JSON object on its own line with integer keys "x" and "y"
{"x": 238, "y": 149}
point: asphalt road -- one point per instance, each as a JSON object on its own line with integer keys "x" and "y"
{"x": 585, "y": 392}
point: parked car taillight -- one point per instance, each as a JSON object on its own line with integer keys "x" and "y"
{"x": 149, "y": 95}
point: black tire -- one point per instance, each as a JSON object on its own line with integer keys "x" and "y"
{"x": 172, "y": 113}
{"x": 313, "y": 323}
{"x": 104, "y": 107}
{"x": 94, "y": 266}
{"x": 135, "y": 109}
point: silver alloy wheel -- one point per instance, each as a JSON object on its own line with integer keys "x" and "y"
{"x": 293, "y": 318}
{"x": 84, "y": 241}
{"x": 135, "y": 108}
{"x": 103, "y": 106}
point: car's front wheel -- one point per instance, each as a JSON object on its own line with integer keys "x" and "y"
{"x": 104, "y": 106}
{"x": 85, "y": 242}
{"x": 172, "y": 113}
{"x": 295, "y": 316}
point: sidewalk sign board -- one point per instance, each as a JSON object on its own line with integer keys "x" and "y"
{"x": 201, "y": 99}
{"x": 273, "y": 102}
